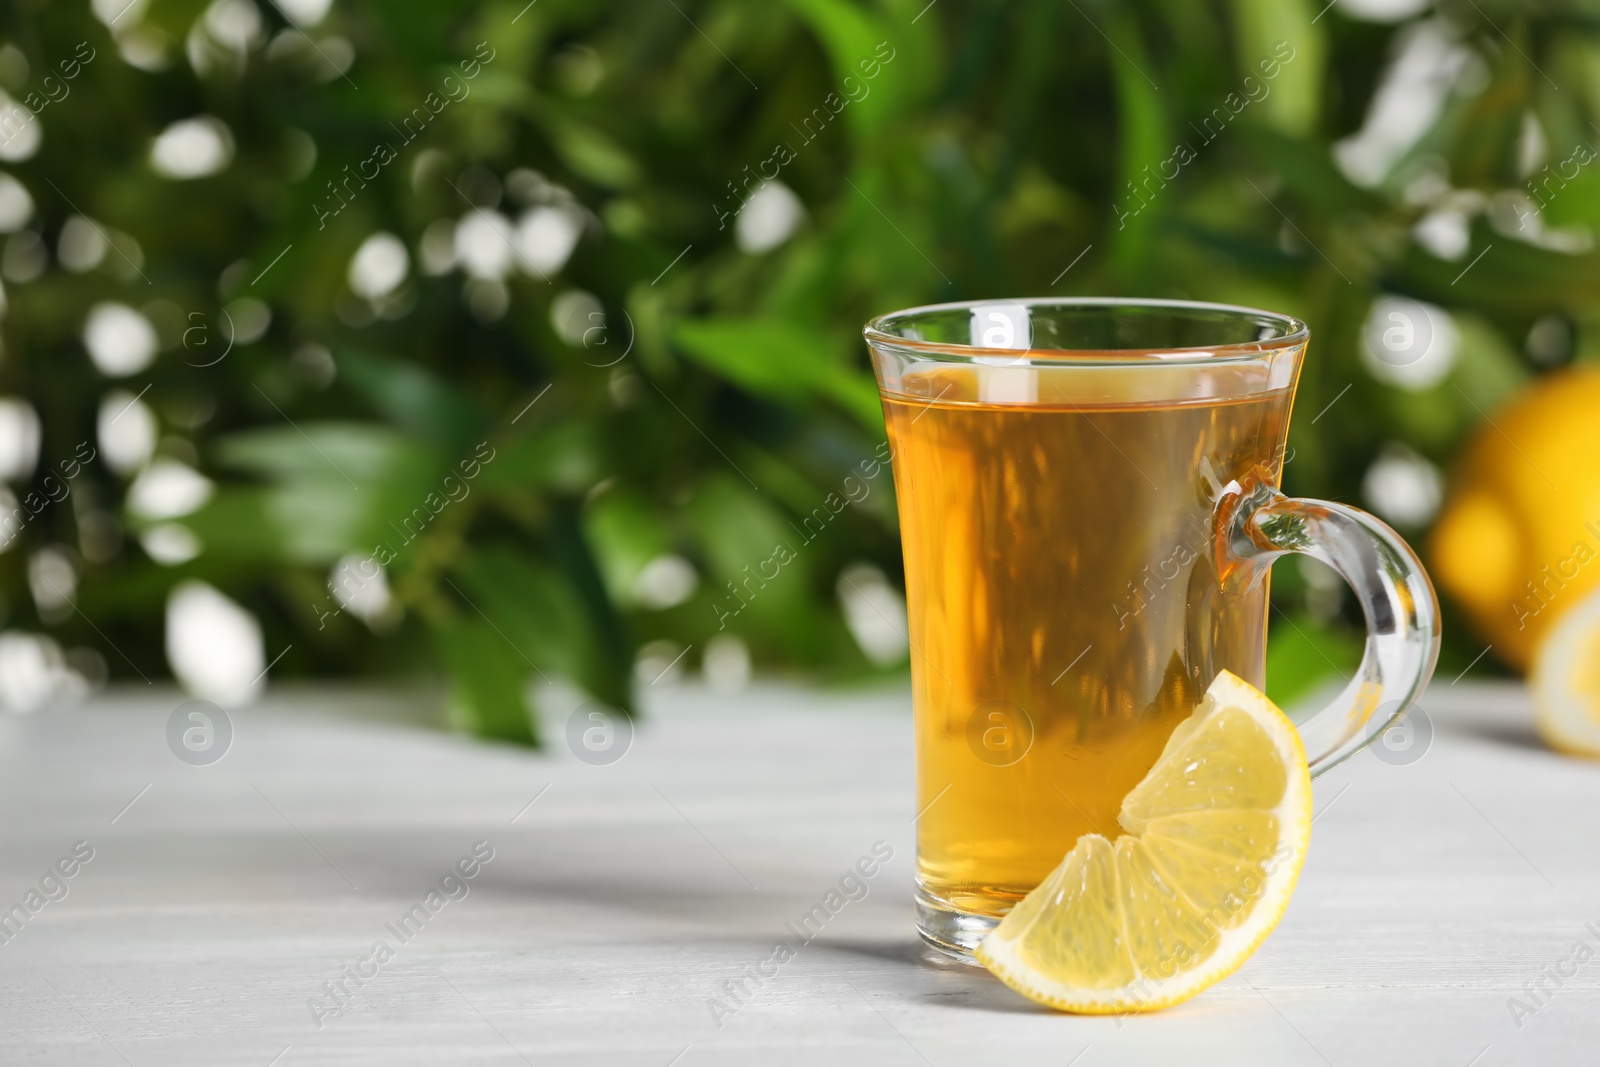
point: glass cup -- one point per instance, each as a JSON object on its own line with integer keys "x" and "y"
{"x": 1089, "y": 508}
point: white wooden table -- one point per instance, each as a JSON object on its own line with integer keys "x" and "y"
{"x": 620, "y": 903}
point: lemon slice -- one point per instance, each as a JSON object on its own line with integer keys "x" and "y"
{"x": 1566, "y": 681}
{"x": 1216, "y": 834}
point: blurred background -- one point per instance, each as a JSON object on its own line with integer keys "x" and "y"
{"x": 488, "y": 345}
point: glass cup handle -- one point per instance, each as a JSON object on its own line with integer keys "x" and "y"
{"x": 1260, "y": 524}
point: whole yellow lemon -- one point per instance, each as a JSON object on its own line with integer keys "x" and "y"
{"x": 1518, "y": 541}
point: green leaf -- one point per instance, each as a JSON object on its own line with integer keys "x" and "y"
{"x": 593, "y": 154}
{"x": 780, "y": 361}
{"x": 626, "y": 533}
{"x": 413, "y": 397}
{"x": 1568, "y": 203}
{"x": 488, "y": 680}
{"x": 346, "y": 453}
{"x": 318, "y": 522}
{"x": 333, "y": 489}
{"x": 608, "y": 654}
{"x": 871, "y": 90}
{"x": 1512, "y": 277}
{"x": 234, "y": 525}
{"x": 1282, "y": 34}
{"x": 529, "y": 606}
{"x": 738, "y": 529}
{"x": 542, "y": 613}
{"x": 1488, "y": 370}
{"x": 1304, "y": 654}
{"x": 1144, "y": 141}
{"x": 1488, "y": 127}
{"x": 1307, "y": 171}
{"x": 561, "y": 457}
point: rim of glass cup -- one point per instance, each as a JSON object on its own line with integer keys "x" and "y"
{"x": 1292, "y": 333}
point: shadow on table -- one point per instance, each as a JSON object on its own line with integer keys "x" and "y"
{"x": 943, "y": 979}
{"x": 1519, "y": 735}
{"x": 1499, "y": 712}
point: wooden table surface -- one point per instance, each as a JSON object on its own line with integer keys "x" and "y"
{"x": 223, "y": 902}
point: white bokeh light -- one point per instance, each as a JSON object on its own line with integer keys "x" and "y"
{"x": 768, "y": 218}
{"x": 1425, "y": 341}
{"x": 359, "y": 585}
{"x": 379, "y": 266}
{"x": 214, "y": 646}
{"x": 1428, "y": 64}
{"x": 167, "y": 489}
{"x": 1382, "y": 10}
{"x": 875, "y": 613}
{"x": 483, "y": 244}
{"x": 12, "y": 518}
{"x": 82, "y": 245}
{"x": 53, "y": 582}
{"x": 726, "y": 664}
{"x": 119, "y": 339}
{"x": 24, "y": 258}
{"x": 659, "y": 663}
{"x": 170, "y": 544}
{"x": 34, "y": 674}
{"x": 665, "y": 582}
{"x": 192, "y": 148}
{"x": 19, "y": 439}
{"x": 574, "y": 313}
{"x": 234, "y": 24}
{"x": 546, "y": 237}
{"x": 250, "y": 318}
{"x": 1513, "y": 214}
{"x": 304, "y": 12}
{"x": 146, "y": 48}
{"x": 1446, "y": 233}
{"x": 436, "y": 251}
{"x": 119, "y": 15}
{"x": 126, "y": 428}
{"x": 339, "y": 54}
{"x": 1403, "y": 487}
{"x": 16, "y": 204}
{"x": 20, "y": 133}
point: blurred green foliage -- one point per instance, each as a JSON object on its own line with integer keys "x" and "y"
{"x": 711, "y": 395}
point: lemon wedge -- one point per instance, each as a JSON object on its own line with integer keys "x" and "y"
{"x": 1216, "y": 835}
{"x": 1566, "y": 681}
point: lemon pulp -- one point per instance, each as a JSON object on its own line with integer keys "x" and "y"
{"x": 1215, "y": 837}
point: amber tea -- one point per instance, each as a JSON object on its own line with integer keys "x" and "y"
{"x": 1051, "y": 551}
{"x": 1089, "y": 507}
